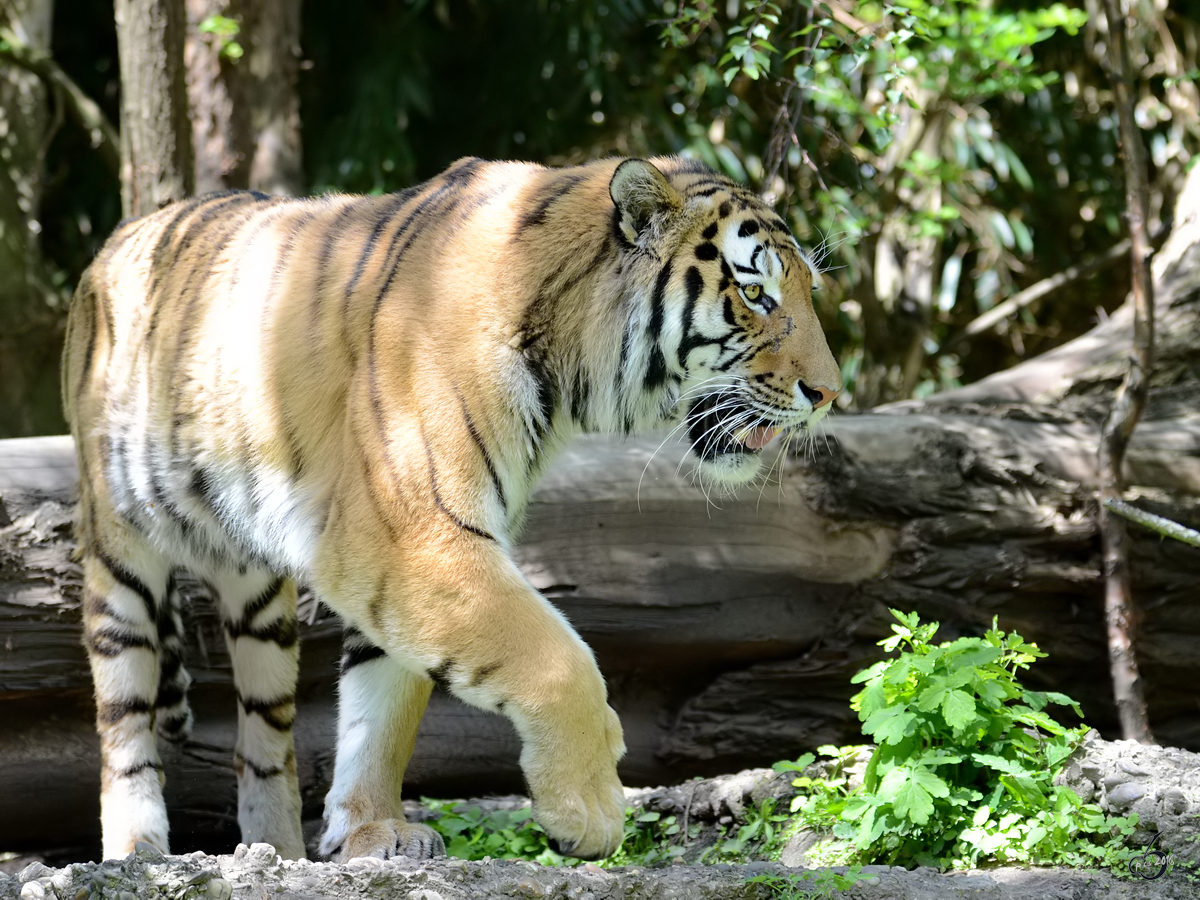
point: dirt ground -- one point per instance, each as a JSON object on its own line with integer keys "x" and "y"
{"x": 1161, "y": 784}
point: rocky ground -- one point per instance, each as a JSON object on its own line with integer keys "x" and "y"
{"x": 1161, "y": 784}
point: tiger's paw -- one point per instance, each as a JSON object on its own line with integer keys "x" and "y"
{"x": 391, "y": 837}
{"x": 578, "y": 800}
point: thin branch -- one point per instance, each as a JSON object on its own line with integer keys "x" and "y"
{"x": 81, "y": 107}
{"x": 1127, "y": 408}
{"x": 1021, "y": 299}
{"x": 1158, "y": 524}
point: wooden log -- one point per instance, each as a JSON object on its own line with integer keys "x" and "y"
{"x": 728, "y": 630}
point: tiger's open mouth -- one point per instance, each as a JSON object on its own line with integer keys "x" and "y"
{"x": 722, "y": 423}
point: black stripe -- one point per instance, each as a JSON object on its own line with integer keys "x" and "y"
{"x": 96, "y": 605}
{"x": 114, "y": 712}
{"x": 682, "y": 165}
{"x": 169, "y": 695}
{"x": 129, "y": 581}
{"x": 483, "y": 451}
{"x": 270, "y": 711}
{"x": 193, "y": 288}
{"x": 111, "y": 642}
{"x": 376, "y": 394}
{"x": 693, "y": 284}
{"x": 86, "y": 300}
{"x": 547, "y": 391}
{"x": 656, "y": 370}
{"x": 657, "y": 301}
{"x": 483, "y": 672}
{"x": 437, "y": 497}
{"x": 282, "y": 631}
{"x": 747, "y": 228}
{"x": 560, "y": 188}
{"x": 623, "y": 357}
{"x": 580, "y": 400}
{"x": 136, "y": 769}
{"x": 217, "y": 204}
{"x": 161, "y": 247}
{"x": 261, "y": 772}
{"x": 440, "y": 674}
{"x": 353, "y": 656}
{"x": 165, "y": 618}
{"x": 740, "y": 355}
{"x": 395, "y": 203}
{"x": 261, "y": 602}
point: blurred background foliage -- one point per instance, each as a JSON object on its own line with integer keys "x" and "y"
{"x": 935, "y": 157}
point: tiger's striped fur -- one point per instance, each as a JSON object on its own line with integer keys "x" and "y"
{"x": 358, "y": 393}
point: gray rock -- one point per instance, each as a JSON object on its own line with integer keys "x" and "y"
{"x": 1124, "y": 795}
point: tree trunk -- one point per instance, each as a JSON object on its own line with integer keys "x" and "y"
{"x": 156, "y": 144}
{"x": 728, "y": 632}
{"x": 245, "y": 109}
{"x": 30, "y": 320}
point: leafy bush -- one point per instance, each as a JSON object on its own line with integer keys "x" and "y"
{"x": 964, "y": 767}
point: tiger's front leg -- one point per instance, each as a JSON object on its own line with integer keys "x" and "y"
{"x": 380, "y": 705}
{"x": 459, "y": 612}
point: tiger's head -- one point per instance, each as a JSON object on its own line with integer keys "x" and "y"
{"x": 731, "y": 311}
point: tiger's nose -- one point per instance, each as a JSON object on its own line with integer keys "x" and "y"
{"x": 817, "y": 396}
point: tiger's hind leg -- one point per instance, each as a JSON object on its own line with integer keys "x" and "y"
{"x": 173, "y": 713}
{"x": 258, "y": 610}
{"x": 380, "y": 705}
{"x": 123, "y": 591}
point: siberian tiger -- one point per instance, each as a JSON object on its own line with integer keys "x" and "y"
{"x": 358, "y": 394}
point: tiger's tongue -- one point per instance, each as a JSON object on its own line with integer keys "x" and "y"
{"x": 757, "y": 438}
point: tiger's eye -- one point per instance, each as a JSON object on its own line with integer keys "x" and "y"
{"x": 752, "y": 291}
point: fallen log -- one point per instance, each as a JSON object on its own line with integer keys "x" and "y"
{"x": 728, "y": 628}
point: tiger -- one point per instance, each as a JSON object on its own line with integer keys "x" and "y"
{"x": 358, "y": 394}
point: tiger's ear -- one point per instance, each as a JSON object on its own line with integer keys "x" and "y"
{"x": 646, "y": 203}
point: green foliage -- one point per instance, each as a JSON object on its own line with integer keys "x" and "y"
{"x": 963, "y": 771}
{"x": 650, "y": 838}
{"x": 883, "y": 140}
{"x": 821, "y": 884}
{"x": 224, "y": 31}
{"x": 470, "y": 833}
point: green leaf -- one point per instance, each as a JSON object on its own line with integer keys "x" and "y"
{"x": 911, "y": 791}
{"x": 889, "y": 726}
{"x": 958, "y": 709}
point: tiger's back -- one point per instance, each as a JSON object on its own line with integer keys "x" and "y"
{"x": 359, "y": 393}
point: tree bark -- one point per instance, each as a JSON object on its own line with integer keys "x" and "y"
{"x": 30, "y": 307}
{"x": 246, "y": 110}
{"x": 156, "y": 144}
{"x": 1129, "y": 403}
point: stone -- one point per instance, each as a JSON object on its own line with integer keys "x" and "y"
{"x": 1125, "y": 795}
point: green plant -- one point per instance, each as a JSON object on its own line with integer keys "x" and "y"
{"x": 964, "y": 766}
{"x": 650, "y": 838}
{"x": 762, "y": 835}
{"x": 470, "y": 833}
{"x": 813, "y": 885}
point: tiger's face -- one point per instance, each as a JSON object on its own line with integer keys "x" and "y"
{"x": 757, "y": 362}
{"x": 734, "y": 298}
